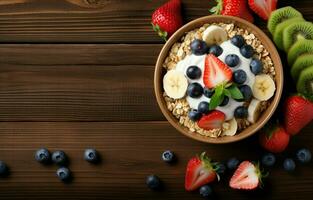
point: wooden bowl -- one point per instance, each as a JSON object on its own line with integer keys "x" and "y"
{"x": 159, "y": 73}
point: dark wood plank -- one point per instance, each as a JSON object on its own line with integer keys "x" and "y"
{"x": 130, "y": 152}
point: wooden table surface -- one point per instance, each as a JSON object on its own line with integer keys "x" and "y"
{"x": 79, "y": 73}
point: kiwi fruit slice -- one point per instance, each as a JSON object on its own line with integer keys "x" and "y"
{"x": 305, "y": 81}
{"x": 281, "y": 15}
{"x": 278, "y": 34}
{"x": 301, "y": 63}
{"x": 301, "y": 47}
{"x": 297, "y": 31}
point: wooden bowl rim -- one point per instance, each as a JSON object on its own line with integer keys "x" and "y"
{"x": 267, "y": 43}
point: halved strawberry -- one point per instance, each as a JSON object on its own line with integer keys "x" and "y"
{"x": 246, "y": 177}
{"x": 215, "y": 72}
{"x": 263, "y": 8}
{"x": 200, "y": 171}
{"x": 212, "y": 120}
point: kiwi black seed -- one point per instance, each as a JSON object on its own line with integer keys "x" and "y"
{"x": 301, "y": 47}
{"x": 297, "y": 31}
{"x": 281, "y": 15}
{"x": 305, "y": 81}
{"x": 301, "y": 63}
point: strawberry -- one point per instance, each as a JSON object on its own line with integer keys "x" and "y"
{"x": 200, "y": 171}
{"x": 236, "y": 8}
{"x": 298, "y": 113}
{"x": 215, "y": 72}
{"x": 167, "y": 19}
{"x": 212, "y": 120}
{"x": 263, "y": 8}
{"x": 246, "y": 177}
{"x": 274, "y": 138}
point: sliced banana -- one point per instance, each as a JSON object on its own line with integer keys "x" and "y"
{"x": 175, "y": 84}
{"x": 254, "y": 110}
{"x": 230, "y": 127}
{"x": 214, "y": 35}
{"x": 263, "y": 87}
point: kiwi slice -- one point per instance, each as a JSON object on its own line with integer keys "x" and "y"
{"x": 301, "y": 47}
{"x": 301, "y": 63}
{"x": 278, "y": 34}
{"x": 305, "y": 82}
{"x": 297, "y": 31}
{"x": 281, "y": 15}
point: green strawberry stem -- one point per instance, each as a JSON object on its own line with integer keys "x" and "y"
{"x": 159, "y": 31}
{"x": 260, "y": 173}
{"x": 218, "y": 8}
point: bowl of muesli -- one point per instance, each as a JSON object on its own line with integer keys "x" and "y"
{"x": 218, "y": 79}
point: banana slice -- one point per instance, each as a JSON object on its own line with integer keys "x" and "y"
{"x": 230, "y": 127}
{"x": 175, "y": 84}
{"x": 214, "y": 35}
{"x": 263, "y": 87}
{"x": 254, "y": 110}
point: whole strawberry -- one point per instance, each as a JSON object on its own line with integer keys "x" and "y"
{"x": 263, "y": 8}
{"x": 298, "y": 112}
{"x": 274, "y": 138}
{"x": 237, "y": 8}
{"x": 167, "y": 19}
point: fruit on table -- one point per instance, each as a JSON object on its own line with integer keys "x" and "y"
{"x": 268, "y": 160}
{"x": 246, "y": 92}
{"x": 194, "y": 115}
{"x": 4, "y": 169}
{"x": 64, "y": 174}
{"x": 59, "y": 158}
{"x": 274, "y": 138}
{"x": 238, "y": 41}
{"x": 203, "y": 107}
{"x": 301, "y": 63}
{"x": 305, "y": 81}
{"x": 254, "y": 110}
{"x": 247, "y": 51}
{"x": 213, "y": 120}
{"x": 298, "y": 112}
{"x": 194, "y": 90}
{"x": 221, "y": 168}
{"x": 206, "y": 191}
{"x": 198, "y": 47}
{"x": 214, "y": 35}
{"x": 200, "y": 171}
{"x": 216, "y": 50}
{"x": 153, "y": 182}
{"x": 263, "y": 8}
{"x": 43, "y": 156}
{"x": 239, "y": 76}
{"x": 168, "y": 156}
{"x": 304, "y": 155}
{"x": 289, "y": 164}
{"x": 301, "y": 47}
{"x": 91, "y": 155}
{"x": 167, "y": 19}
{"x": 241, "y": 112}
{"x": 175, "y": 84}
{"x": 264, "y": 87}
{"x": 232, "y": 163}
{"x": 230, "y": 127}
{"x": 232, "y": 60}
{"x": 193, "y": 72}
{"x": 256, "y": 66}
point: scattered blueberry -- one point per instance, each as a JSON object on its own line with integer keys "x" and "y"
{"x": 241, "y": 112}
{"x": 203, "y": 107}
{"x": 221, "y": 168}
{"x": 246, "y": 92}
{"x": 304, "y": 155}
{"x": 215, "y": 50}
{"x": 268, "y": 160}
{"x": 4, "y": 170}
{"x": 238, "y": 40}
{"x": 232, "y": 60}
{"x": 239, "y": 76}
{"x": 59, "y": 158}
{"x": 91, "y": 155}
{"x": 289, "y": 165}
{"x": 208, "y": 92}
{"x": 232, "y": 163}
{"x": 206, "y": 191}
{"x": 247, "y": 51}
{"x": 256, "y": 66}
{"x": 225, "y": 101}
{"x": 194, "y": 115}
{"x": 193, "y": 72}
{"x": 194, "y": 90}
{"x": 43, "y": 156}
{"x": 168, "y": 156}
{"x": 64, "y": 174}
{"x": 198, "y": 47}
{"x": 153, "y": 182}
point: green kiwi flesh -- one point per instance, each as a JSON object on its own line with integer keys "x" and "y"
{"x": 297, "y": 31}
{"x": 301, "y": 63}
{"x": 301, "y": 47}
{"x": 305, "y": 81}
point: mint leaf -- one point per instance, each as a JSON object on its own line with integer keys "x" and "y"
{"x": 217, "y": 97}
{"x": 227, "y": 92}
{"x": 235, "y": 92}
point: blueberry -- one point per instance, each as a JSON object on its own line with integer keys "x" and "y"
{"x": 289, "y": 165}
{"x": 215, "y": 50}
{"x": 59, "y": 158}
{"x": 206, "y": 191}
{"x": 256, "y": 66}
{"x": 232, "y": 163}
{"x": 4, "y": 170}
{"x": 168, "y": 156}
{"x": 241, "y": 112}
{"x": 268, "y": 160}
{"x": 208, "y": 92}
{"x": 198, "y": 47}
{"x": 221, "y": 168}
{"x": 239, "y": 76}
{"x": 193, "y": 72}
{"x": 64, "y": 174}
{"x": 43, "y": 156}
{"x": 238, "y": 40}
{"x": 203, "y": 107}
{"x": 194, "y": 90}
{"x": 232, "y": 60}
{"x": 247, "y": 51}
{"x": 225, "y": 101}
{"x": 246, "y": 92}
{"x": 91, "y": 155}
{"x": 304, "y": 155}
{"x": 153, "y": 182}
{"x": 194, "y": 115}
